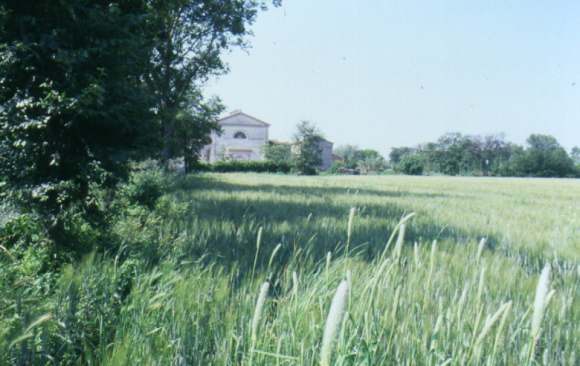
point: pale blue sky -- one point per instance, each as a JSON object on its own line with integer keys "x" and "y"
{"x": 390, "y": 73}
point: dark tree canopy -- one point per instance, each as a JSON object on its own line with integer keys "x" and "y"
{"x": 87, "y": 85}
{"x": 544, "y": 157}
{"x": 73, "y": 103}
{"x": 575, "y": 155}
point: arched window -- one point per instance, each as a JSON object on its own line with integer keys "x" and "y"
{"x": 240, "y": 135}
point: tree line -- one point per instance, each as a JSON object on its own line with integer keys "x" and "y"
{"x": 490, "y": 155}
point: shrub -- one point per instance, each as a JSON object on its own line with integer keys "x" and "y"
{"x": 279, "y": 153}
{"x": 411, "y": 165}
{"x": 337, "y": 167}
{"x": 146, "y": 187}
{"x": 372, "y": 164}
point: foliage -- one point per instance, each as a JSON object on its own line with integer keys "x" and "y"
{"x": 77, "y": 323}
{"x": 189, "y": 37}
{"x": 146, "y": 187}
{"x": 337, "y": 167}
{"x": 87, "y": 86}
{"x": 307, "y": 157}
{"x": 397, "y": 153}
{"x": 365, "y": 160}
{"x": 348, "y": 155}
{"x": 408, "y": 303}
{"x": 193, "y": 126}
{"x": 457, "y": 154}
{"x": 251, "y": 166}
{"x": 372, "y": 164}
{"x": 278, "y": 152}
{"x": 575, "y": 155}
{"x": 74, "y": 107}
{"x": 544, "y": 157}
{"x": 411, "y": 165}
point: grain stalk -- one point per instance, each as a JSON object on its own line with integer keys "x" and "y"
{"x": 351, "y": 215}
{"x": 258, "y": 244}
{"x": 258, "y": 316}
{"x": 333, "y": 322}
{"x": 399, "y": 244}
{"x": 480, "y": 249}
{"x": 432, "y": 263}
{"x": 540, "y": 303}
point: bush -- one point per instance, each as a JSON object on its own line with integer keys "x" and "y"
{"x": 146, "y": 187}
{"x": 251, "y": 166}
{"x": 339, "y": 167}
{"x": 411, "y": 165}
{"x": 371, "y": 164}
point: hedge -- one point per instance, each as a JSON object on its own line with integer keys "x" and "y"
{"x": 246, "y": 166}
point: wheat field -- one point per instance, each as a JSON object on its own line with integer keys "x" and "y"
{"x": 380, "y": 270}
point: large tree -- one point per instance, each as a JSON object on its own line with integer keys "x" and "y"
{"x": 544, "y": 157}
{"x": 575, "y": 154}
{"x": 193, "y": 125}
{"x": 73, "y": 104}
{"x": 308, "y": 151}
{"x": 397, "y": 153}
{"x": 190, "y": 38}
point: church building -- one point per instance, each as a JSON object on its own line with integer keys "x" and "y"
{"x": 244, "y": 137}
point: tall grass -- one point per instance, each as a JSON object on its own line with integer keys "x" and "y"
{"x": 257, "y": 273}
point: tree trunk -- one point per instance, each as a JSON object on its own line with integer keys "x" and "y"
{"x": 167, "y": 140}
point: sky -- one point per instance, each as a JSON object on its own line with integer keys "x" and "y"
{"x": 385, "y": 73}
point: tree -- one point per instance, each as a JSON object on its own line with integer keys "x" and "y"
{"x": 308, "y": 152}
{"x": 540, "y": 142}
{"x": 278, "y": 153}
{"x": 367, "y": 160}
{"x": 397, "y": 153}
{"x": 74, "y": 107}
{"x": 348, "y": 155}
{"x": 366, "y": 154}
{"x": 411, "y": 165}
{"x": 575, "y": 155}
{"x": 371, "y": 164}
{"x": 189, "y": 38}
{"x": 495, "y": 153}
{"x": 193, "y": 126}
{"x": 544, "y": 157}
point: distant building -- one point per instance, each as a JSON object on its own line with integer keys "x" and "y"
{"x": 244, "y": 137}
{"x": 327, "y": 159}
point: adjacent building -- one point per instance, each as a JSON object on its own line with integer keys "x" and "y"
{"x": 244, "y": 137}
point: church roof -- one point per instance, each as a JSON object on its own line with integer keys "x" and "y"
{"x": 241, "y": 118}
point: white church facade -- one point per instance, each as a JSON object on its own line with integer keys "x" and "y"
{"x": 244, "y": 137}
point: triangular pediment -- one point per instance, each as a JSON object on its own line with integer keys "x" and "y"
{"x": 242, "y": 119}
